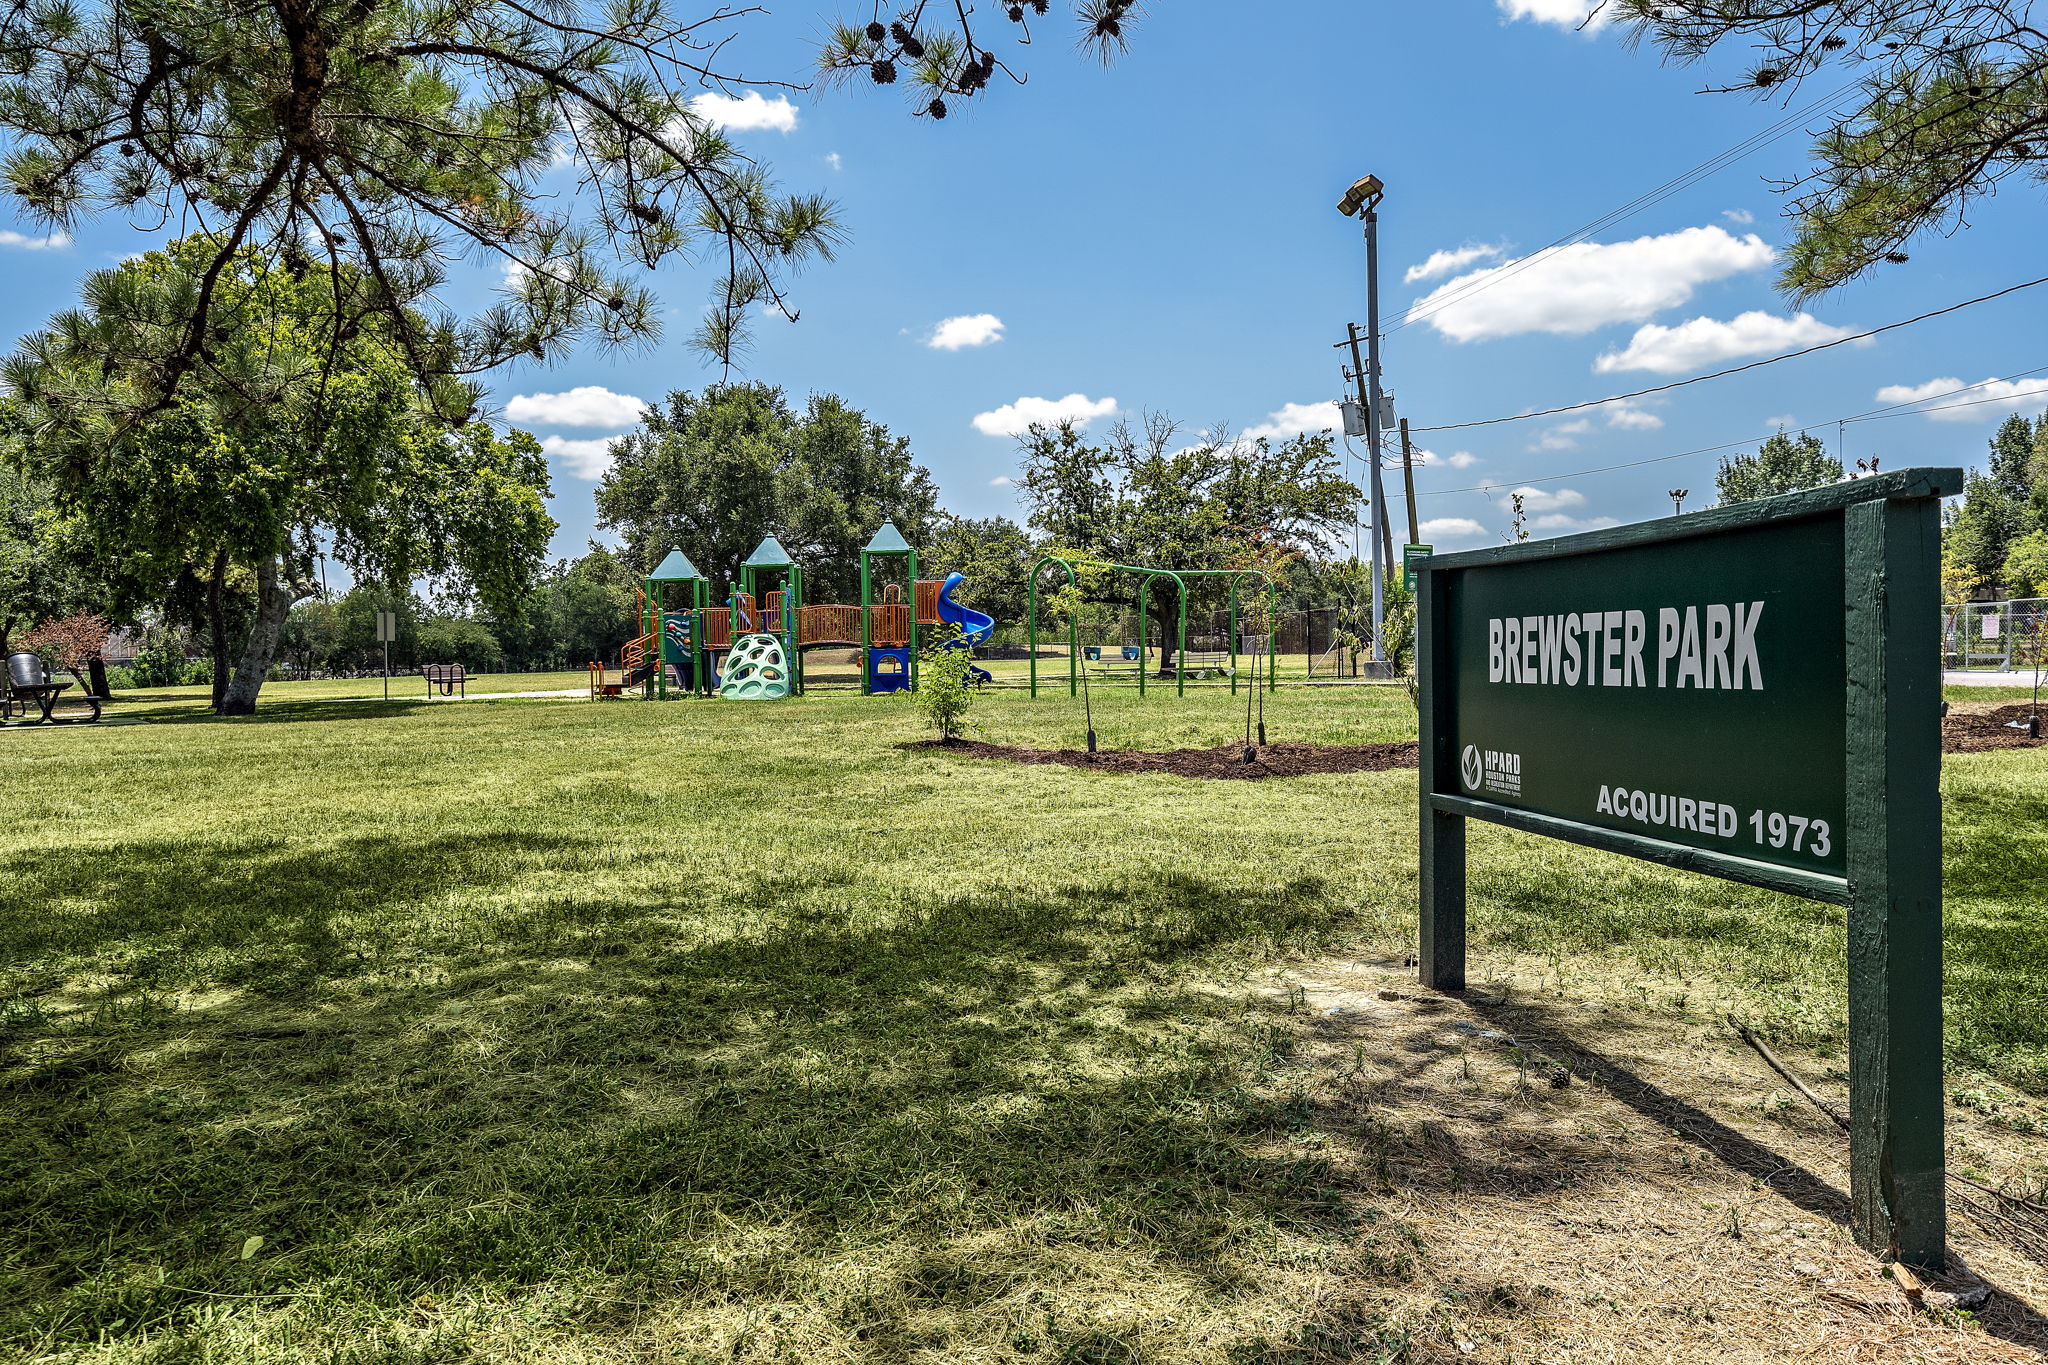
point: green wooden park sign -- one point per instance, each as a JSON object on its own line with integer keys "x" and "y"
{"x": 1752, "y": 692}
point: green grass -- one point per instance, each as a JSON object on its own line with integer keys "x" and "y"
{"x": 532, "y": 1030}
{"x": 404, "y": 687}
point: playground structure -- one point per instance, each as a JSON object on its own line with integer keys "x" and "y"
{"x": 1134, "y": 663}
{"x": 752, "y": 647}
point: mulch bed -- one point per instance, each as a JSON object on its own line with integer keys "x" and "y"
{"x": 1224, "y": 762}
{"x": 1970, "y": 732}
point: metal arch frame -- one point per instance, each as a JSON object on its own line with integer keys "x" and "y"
{"x": 1147, "y": 574}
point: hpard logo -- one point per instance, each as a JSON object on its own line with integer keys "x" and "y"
{"x": 1492, "y": 770}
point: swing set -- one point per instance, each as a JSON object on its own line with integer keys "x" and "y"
{"x": 1179, "y": 577}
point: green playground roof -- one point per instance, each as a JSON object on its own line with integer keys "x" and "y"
{"x": 769, "y": 554}
{"x": 888, "y": 541}
{"x": 677, "y": 568}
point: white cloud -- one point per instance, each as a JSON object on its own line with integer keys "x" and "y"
{"x": 1463, "y": 459}
{"x": 1295, "y": 419}
{"x": 1001, "y": 481}
{"x": 1450, "y": 528}
{"x": 832, "y": 160}
{"x": 1782, "y": 422}
{"x": 971, "y": 329}
{"x": 1992, "y": 398}
{"x": 588, "y": 406}
{"x": 1564, "y": 13}
{"x": 1577, "y": 288}
{"x": 1702, "y": 342}
{"x": 1740, "y": 217}
{"x": 1563, "y": 436}
{"x": 56, "y": 241}
{"x": 1550, "y": 500}
{"x": 1444, "y": 262}
{"x": 1626, "y": 416}
{"x": 1558, "y": 521}
{"x": 583, "y": 459}
{"x": 746, "y": 113}
{"x": 1014, "y": 419}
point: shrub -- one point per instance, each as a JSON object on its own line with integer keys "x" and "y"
{"x": 942, "y": 691}
{"x": 157, "y": 665}
{"x": 121, "y": 680}
{"x": 197, "y": 673}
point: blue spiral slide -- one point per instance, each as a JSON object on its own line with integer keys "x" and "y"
{"x": 974, "y": 625}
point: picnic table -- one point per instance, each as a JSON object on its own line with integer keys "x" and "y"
{"x": 29, "y": 684}
{"x": 448, "y": 677}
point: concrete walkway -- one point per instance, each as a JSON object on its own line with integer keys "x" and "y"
{"x": 1987, "y": 678}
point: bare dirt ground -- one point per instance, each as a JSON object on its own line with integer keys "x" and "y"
{"x": 1973, "y": 727}
{"x": 1584, "y": 1183}
{"x": 1224, "y": 762}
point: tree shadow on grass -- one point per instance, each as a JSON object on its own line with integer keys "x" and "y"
{"x": 259, "y": 914}
{"x": 2006, "y": 1316}
{"x": 899, "y": 1125}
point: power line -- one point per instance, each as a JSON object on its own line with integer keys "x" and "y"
{"x": 1738, "y": 369}
{"x": 1650, "y": 198}
{"x": 1909, "y": 408}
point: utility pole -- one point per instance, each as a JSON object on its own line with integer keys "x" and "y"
{"x": 1678, "y": 497}
{"x": 1408, "y": 483}
{"x": 1362, "y": 200}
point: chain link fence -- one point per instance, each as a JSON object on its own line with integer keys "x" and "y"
{"x": 1994, "y": 635}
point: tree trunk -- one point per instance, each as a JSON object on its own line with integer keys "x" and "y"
{"x": 274, "y": 601}
{"x": 217, "y": 627}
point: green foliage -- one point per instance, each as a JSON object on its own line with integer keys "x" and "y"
{"x": 2026, "y": 565}
{"x": 377, "y": 142}
{"x": 713, "y": 473}
{"x": 1782, "y": 464}
{"x": 2001, "y": 505}
{"x": 1139, "y": 498}
{"x": 121, "y": 679}
{"x": 993, "y": 552}
{"x": 457, "y": 640}
{"x": 162, "y": 664}
{"x": 41, "y": 575}
{"x": 943, "y": 695}
{"x": 280, "y": 449}
{"x": 1950, "y": 107}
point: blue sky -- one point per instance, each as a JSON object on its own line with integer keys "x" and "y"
{"x": 1162, "y": 234}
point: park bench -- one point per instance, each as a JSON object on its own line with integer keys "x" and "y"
{"x": 448, "y": 677}
{"x": 29, "y": 684}
{"x": 1127, "y": 662}
{"x": 1200, "y": 663}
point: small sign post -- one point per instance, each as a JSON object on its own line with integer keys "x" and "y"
{"x": 1409, "y": 554}
{"x": 1752, "y": 692}
{"x": 387, "y": 631}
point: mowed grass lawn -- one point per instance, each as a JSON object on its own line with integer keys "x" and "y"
{"x": 553, "y": 1031}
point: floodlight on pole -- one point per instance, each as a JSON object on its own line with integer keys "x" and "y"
{"x": 1362, "y": 201}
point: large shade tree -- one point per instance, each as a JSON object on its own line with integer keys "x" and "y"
{"x": 1141, "y": 497}
{"x": 1951, "y": 103}
{"x": 712, "y": 473}
{"x": 286, "y": 445}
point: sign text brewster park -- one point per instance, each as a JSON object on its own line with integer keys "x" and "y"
{"x": 1752, "y": 692}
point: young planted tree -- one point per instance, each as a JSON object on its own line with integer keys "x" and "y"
{"x": 1953, "y": 103}
{"x": 1782, "y": 464}
{"x": 284, "y": 444}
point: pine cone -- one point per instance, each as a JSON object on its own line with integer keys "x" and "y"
{"x": 912, "y": 48}
{"x": 937, "y": 108}
{"x": 884, "y": 72}
{"x": 876, "y": 32}
{"x": 1016, "y": 14}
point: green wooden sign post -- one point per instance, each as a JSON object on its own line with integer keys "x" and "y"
{"x": 1752, "y": 692}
